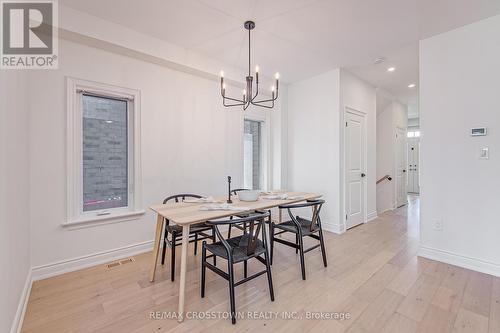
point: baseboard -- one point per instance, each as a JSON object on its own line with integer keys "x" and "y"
{"x": 335, "y": 228}
{"x": 371, "y": 216}
{"x": 385, "y": 210}
{"x": 460, "y": 260}
{"x": 74, "y": 264}
{"x": 17, "y": 323}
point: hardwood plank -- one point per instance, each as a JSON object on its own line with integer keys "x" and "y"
{"x": 437, "y": 320}
{"x": 399, "y": 323}
{"x": 450, "y": 293}
{"x": 477, "y": 294}
{"x": 494, "y": 321}
{"x": 408, "y": 275}
{"x": 373, "y": 319}
{"x": 470, "y": 322}
{"x": 420, "y": 296}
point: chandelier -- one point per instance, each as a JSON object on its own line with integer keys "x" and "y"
{"x": 249, "y": 97}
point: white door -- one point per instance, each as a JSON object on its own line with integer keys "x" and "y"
{"x": 400, "y": 167}
{"x": 355, "y": 137}
{"x": 413, "y": 165}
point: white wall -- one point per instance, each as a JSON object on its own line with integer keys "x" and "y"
{"x": 314, "y": 114}
{"x": 459, "y": 72}
{"x": 394, "y": 115}
{"x": 190, "y": 143}
{"x": 385, "y": 159}
{"x": 361, "y": 96}
{"x": 14, "y": 197}
{"x": 313, "y": 141}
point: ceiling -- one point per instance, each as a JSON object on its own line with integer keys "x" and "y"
{"x": 301, "y": 38}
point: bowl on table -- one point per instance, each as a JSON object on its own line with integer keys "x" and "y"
{"x": 252, "y": 195}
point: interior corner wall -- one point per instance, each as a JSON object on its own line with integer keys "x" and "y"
{"x": 459, "y": 89}
{"x": 313, "y": 141}
{"x": 315, "y": 138}
{"x": 14, "y": 198}
{"x": 395, "y": 115}
{"x": 361, "y": 96}
{"x": 385, "y": 159}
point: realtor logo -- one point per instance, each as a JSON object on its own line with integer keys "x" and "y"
{"x": 29, "y": 35}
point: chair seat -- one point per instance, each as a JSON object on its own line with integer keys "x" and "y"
{"x": 239, "y": 247}
{"x": 192, "y": 228}
{"x": 292, "y": 227}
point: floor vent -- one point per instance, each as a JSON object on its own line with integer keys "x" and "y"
{"x": 127, "y": 261}
{"x": 121, "y": 262}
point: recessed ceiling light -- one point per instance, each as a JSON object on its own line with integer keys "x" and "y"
{"x": 412, "y": 85}
{"x": 391, "y": 69}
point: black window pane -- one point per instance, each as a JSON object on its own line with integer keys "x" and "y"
{"x": 105, "y": 161}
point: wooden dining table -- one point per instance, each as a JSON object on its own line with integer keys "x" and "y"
{"x": 184, "y": 214}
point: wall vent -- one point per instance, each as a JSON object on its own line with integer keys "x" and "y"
{"x": 120, "y": 262}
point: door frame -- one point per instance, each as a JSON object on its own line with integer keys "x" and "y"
{"x": 405, "y": 163}
{"x": 416, "y": 141}
{"x": 343, "y": 168}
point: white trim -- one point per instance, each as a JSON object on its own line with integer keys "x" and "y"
{"x": 331, "y": 227}
{"x": 385, "y": 210}
{"x": 74, "y": 264}
{"x": 459, "y": 260}
{"x": 74, "y": 87}
{"x": 102, "y": 220}
{"x": 371, "y": 216}
{"x": 17, "y": 323}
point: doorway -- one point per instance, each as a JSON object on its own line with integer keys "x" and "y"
{"x": 355, "y": 164}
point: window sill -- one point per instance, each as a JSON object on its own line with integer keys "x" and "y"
{"x": 103, "y": 220}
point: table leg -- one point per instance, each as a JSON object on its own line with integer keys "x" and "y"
{"x": 182, "y": 282}
{"x": 156, "y": 249}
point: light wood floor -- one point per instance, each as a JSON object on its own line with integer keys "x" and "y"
{"x": 373, "y": 274}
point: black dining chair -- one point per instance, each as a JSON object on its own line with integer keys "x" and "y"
{"x": 301, "y": 227}
{"x": 238, "y": 249}
{"x": 197, "y": 232}
{"x": 241, "y": 227}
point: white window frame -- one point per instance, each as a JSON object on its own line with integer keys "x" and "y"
{"x": 265, "y": 151}
{"x": 75, "y": 213}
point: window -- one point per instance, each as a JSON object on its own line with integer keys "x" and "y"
{"x": 103, "y": 152}
{"x": 252, "y": 150}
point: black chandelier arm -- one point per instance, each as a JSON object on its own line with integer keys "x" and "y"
{"x": 233, "y": 99}
{"x": 256, "y": 89}
{"x": 246, "y": 105}
{"x": 259, "y": 104}
{"x": 228, "y": 105}
{"x": 266, "y": 100}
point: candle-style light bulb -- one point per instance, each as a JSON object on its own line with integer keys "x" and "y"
{"x": 221, "y": 73}
{"x": 244, "y": 92}
{"x": 272, "y": 88}
{"x": 277, "y": 76}
{"x": 257, "y": 69}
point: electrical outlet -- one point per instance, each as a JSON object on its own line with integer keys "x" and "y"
{"x": 437, "y": 224}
